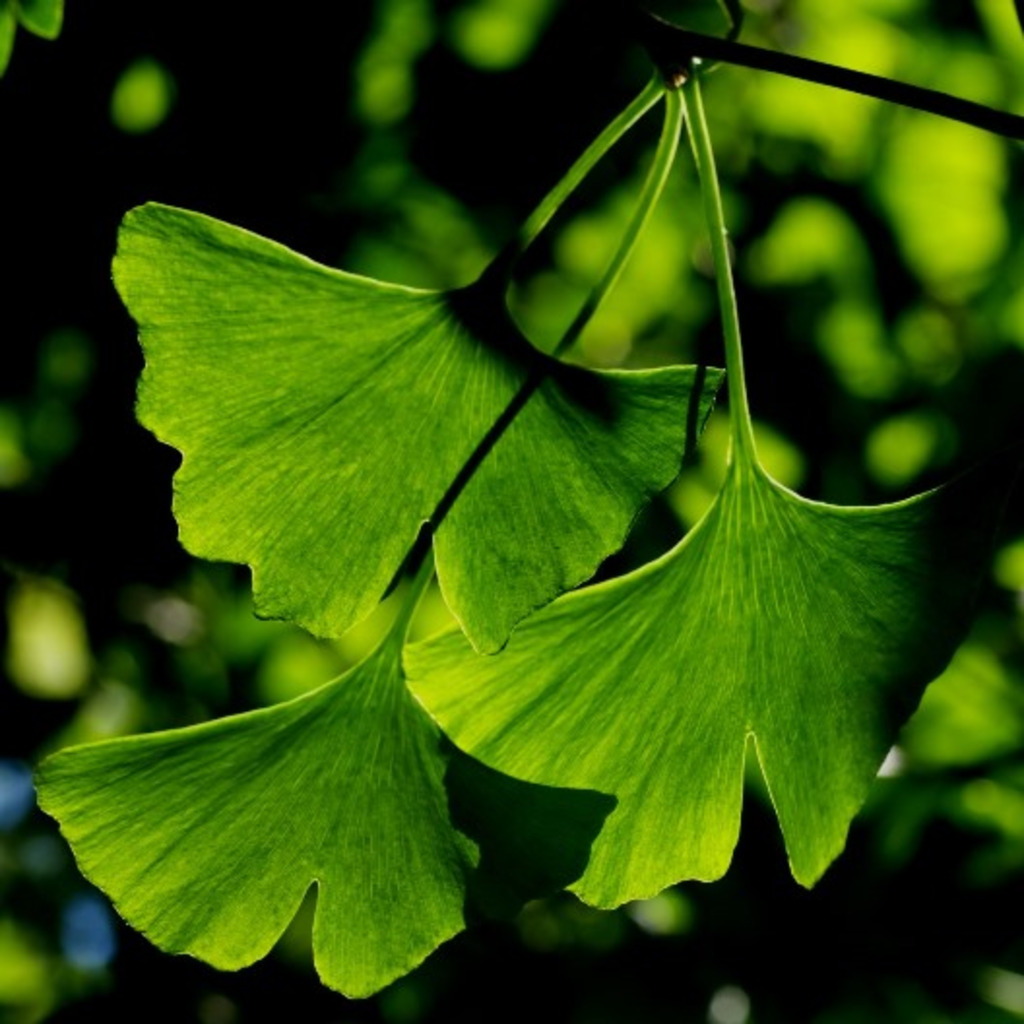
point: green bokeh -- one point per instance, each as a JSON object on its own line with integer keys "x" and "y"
{"x": 143, "y": 97}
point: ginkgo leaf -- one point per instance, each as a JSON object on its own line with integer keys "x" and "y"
{"x": 207, "y": 838}
{"x": 40, "y": 17}
{"x": 807, "y": 630}
{"x": 810, "y": 629}
{"x": 325, "y": 417}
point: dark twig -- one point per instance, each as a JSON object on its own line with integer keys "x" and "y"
{"x": 672, "y": 48}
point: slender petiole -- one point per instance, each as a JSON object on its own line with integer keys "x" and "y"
{"x": 700, "y": 140}
{"x": 417, "y": 587}
{"x": 549, "y": 205}
{"x": 653, "y": 186}
{"x": 657, "y": 176}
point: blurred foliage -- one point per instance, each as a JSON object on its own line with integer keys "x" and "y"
{"x": 40, "y": 17}
{"x": 142, "y": 97}
{"x": 878, "y": 253}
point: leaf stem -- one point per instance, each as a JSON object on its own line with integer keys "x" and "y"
{"x": 550, "y": 204}
{"x": 700, "y": 139}
{"x": 420, "y": 580}
{"x": 654, "y": 185}
{"x": 651, "y": 191}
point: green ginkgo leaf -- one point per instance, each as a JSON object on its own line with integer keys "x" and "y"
{"x": 325, "y": 417}
{"x": 40, "y": 17}
{"x": 207, "y": 838}
{"x": 809, "y": 629}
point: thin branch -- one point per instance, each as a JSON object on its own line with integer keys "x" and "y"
{"x": 672, "y": 48}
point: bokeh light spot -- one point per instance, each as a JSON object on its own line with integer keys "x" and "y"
{"x": 24, "y": 968}
{"x": 143, "y": 97}
{"x": 899, "y": 449}
{"x": 385, "y": 84}
{"x": 47, "y": 648}
{"x": 809, "y": 238}
{"x": 66, "y": 361}
{"x": 15, "y": 467}
{"x": 852, "y": 337}
{"x": 729, "y": 1005}
{"x": 1009, "y": 566}
{"x": 668, "y": 913}
{"x": 494, "y": 35}
{"x": 970, "y": 714}
{"x": 87, "y": 937}
{"x": 942, "y": 185}
{"x": 16, "y": 793}
{"x": 1004, "y": 989}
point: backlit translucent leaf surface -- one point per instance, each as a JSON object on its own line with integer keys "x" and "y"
{"x": 324, "y": 417}
{"x": 810, "y": 629}
{"x": 207, "y": 838}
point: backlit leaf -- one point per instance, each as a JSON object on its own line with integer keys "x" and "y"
{"x": 207, "y": 838}
{"x": 809, "y": 629}
{"x": 325, "y": 417}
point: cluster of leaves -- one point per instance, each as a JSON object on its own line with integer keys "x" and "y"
{"x": 323, "y": 419}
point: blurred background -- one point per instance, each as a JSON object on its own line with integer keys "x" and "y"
{"x": 881, "y": 284}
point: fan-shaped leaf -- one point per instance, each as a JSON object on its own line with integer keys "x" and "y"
{"x": 325, "y": 417}
{"x": 808, "y": 628}
{"x": 207, "y": 838}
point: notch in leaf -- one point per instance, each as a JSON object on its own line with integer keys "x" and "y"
{"x": 809, "y": 629}
{"x": 324, "y": 417}
{"x": 311, "y": 404}
{"x": 207, "y": 838}
{"x": 812, "y": 630}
